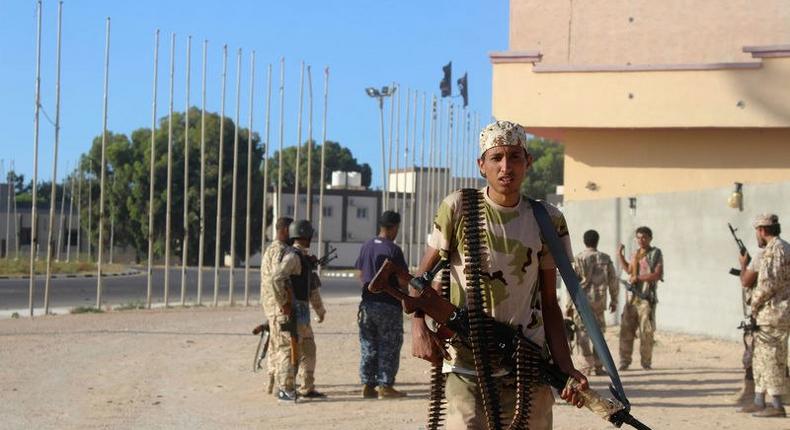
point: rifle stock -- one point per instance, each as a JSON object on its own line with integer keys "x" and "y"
{"x": 453, "y": 325}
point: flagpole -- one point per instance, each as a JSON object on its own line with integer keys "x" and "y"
{"x": 280, "y": 151}
{"x": 389, "y": 155}
{"x": 33, "y": 210}
{"x": 103, "y": 168}
{"x": 151, "y": 178}
{"x": 231, "y": 278}
{"x": 185, "y": 240}
{"x": 397, "y": 160}
{"x": 431, "y": 169}
{"x": 90, "y": 208}
{"x": 266, "y": 160}
{"x": 323, "y": 165}
{"x": 80, "y": 180}
{"x": 298, "y": 143}
{"x": 309, "y": 184}
{"x": 169, "y": 167}
{"x": 249, "y": 186}
{"x": 62, "y": 217}
{"x": 202, "y": 238}
{"x": 53, "y": 187}
{"x": 414, "y": 200}
{"x": 112, "y": 219}
{"x": 218, "y": 223}
{"x": 8, "y": 212}
{"x": 68, "y": 222}
{"x": 423, "y": 194}
{"x": 402, "y": 174}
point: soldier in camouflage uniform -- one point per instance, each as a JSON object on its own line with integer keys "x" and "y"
{"x": 645, "y": 269}
{"x": 770, "y": 304}
{"x": 278, "y": 263}
{"x": 306, "y": 285}
{"x": 521, "y": 277}
{"x": 596, "y": 272}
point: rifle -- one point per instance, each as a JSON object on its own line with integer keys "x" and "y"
{"x": 748, "y": 326}
{"x": 454, "y": 325}
{"x": 644, "y": 295}
{"x": 331, "y": 255}
{"x": 741, "y": 250}
{"x": 263, "y": 345}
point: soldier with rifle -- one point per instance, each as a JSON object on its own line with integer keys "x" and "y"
{"x": 645, "y": 269}
{"x": 500, "y": 270}
{"x": 747, "y": 274}
{"x": 305, "y": 288}
{"x": 278, "y": 263}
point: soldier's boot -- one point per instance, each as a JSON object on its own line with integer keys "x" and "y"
{"x": 771, "y": 412}
{"x": 270, "y": 387}
{"x": 369, "y": 391}
{"x": 387, "y": 392}
{"x": 745, "y": 394}
{"x": 751, "y": 408}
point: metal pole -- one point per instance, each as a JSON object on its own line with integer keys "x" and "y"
{"x": 389, "y": 155}
{"x": 33, "y": 210}
{"x": 448, "y": 149}
{"x": 112, "y": 219}
{"x": 185, "y": 241}
{"x": 90, "y": 208}
{"x": 202, "y": 239}
{"x": 397, "y": 156}
{"x": 103, "y": 162}
{"x": 53, "y": 187}
{"x": 309, "y": 186}
{"x": 414, "y": 201}
{"x": 280, "y": 152}
{"x": 168, "y": 204}
{"x": 218, "y": 224}
{"x": 383, "y": 157}
{"x": 233, "y": 181}
{"x": 298, "y": 142}
{"x": 151, "y": 178}
{"x": 80, "y": 180}
{"x": 69, "y": 220}
{"x": 436, "y": 124}
{"x": 249, "y": 186}
{"x": 404, "y": 215}
{"x": 8, "y": 212}
{"x": 62, "y": 218}
{"x": 423, "y": 194}
{"x": 323, "y": 164}
{"x": 266, "y": 159}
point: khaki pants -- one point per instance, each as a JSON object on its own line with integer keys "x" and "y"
{"x": 770, "y": 360}
{"x": 639, "y": 315}
{"x": 583, "y": 338}
{"x": 307, "y": 358}
{"x": 465, "y": 409}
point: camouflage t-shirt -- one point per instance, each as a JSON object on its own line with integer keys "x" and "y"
{"x": 514, "y": 254}
{"x": 771, "y": 296}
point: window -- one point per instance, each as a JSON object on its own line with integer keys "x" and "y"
{"x": 328, "y": 211}
{"x": 362, "y": 213}
{"x": 24, "y": 236}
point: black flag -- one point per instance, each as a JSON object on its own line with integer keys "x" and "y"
{"x": 463, "y": 89}
{"x": 446, "y": 85}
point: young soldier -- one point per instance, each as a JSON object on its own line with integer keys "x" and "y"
{"x": 278, "y": 263}
{"x": 596, "y": 271}
{"x": 380, "y": 316}
{"x": 770, "y": 303}
{"x": 521, "y": 281}
{"x": 305, "y": 287}
{"x": 645, "y": 269}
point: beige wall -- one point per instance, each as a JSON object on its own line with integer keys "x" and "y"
{"x": 632, "y": 162}
{"x": 731, "y": 97}
{"x": 646, "y": 31}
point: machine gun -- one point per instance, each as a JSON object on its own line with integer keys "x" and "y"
{"x": 748, "y": 326}
{"x": 644, "y": 295}
{"x": 453, "y": 324}
{"x": 331, "y": 255}
{"x": 741, "y": 250}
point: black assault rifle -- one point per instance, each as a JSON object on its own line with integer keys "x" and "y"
{"x": 644, "y": 295}
{"x": 454, "y": 324}
{"x": 741, "y": 250}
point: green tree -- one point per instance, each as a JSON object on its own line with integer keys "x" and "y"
{"x": 336, "y": 157}
{"x": 547, "y": 168}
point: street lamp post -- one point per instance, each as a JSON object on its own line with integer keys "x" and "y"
{"x": 380, "y": 94}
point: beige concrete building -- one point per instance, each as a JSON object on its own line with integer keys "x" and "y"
{"x": 652, "y": 97}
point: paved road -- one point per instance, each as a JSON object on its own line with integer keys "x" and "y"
{"x": 73, "y": 292}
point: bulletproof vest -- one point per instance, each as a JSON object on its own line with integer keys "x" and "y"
{"x": 301, "y": 282}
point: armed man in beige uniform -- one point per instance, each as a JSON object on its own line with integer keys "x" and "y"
{"x": 306, "y": 285}
{"x": 596, "y": 271}
{"x": 770, "y": 303}
{"x": 278, "y": 263}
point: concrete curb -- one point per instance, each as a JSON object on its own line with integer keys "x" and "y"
{"x": 78, "y": 275}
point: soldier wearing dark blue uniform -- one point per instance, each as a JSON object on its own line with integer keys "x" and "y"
{"x": 380, "y": 316}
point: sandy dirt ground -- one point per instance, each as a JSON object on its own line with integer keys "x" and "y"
{"x": 192, "y": 368}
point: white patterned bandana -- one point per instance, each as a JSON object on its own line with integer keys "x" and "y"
{"x": 502, "y": 133}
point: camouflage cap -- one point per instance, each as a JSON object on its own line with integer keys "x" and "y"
{"x": 502, "y": 133}
{"x": 765, "y": 220}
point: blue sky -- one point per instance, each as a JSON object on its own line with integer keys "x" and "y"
{"x": 364, "y": 43}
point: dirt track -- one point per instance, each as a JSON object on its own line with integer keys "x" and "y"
{"x": 191, "y": 368}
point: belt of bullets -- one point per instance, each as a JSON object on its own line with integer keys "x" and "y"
{"x": 437, "y": 401}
